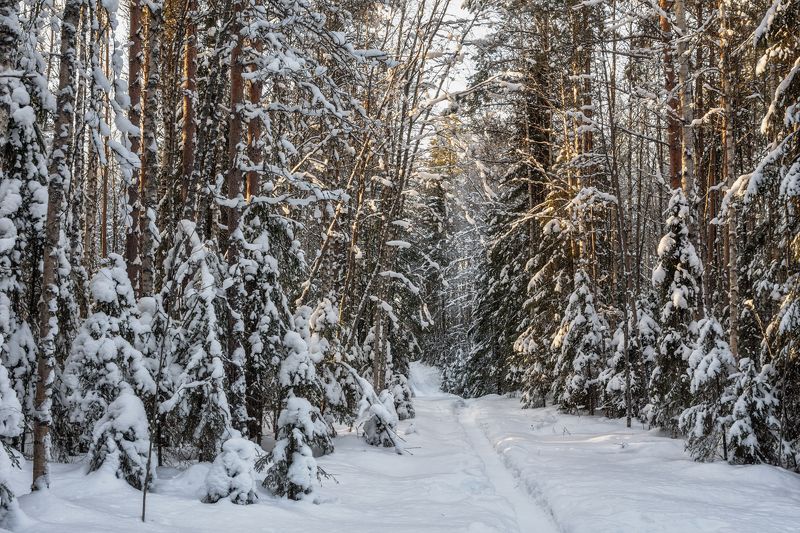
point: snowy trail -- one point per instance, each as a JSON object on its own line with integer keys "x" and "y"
{"x": 527, "y": 515}
{"x": 530, "y": 516}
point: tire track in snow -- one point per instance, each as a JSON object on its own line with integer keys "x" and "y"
{"x": 531, "y": 515}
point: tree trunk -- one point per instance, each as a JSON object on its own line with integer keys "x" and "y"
{"x": 728, "y": 154}
{"x": 673, "y": 124}
{"x": 254, "y": 148}
{"x": 59, "y": 178}
{"x": 687, "y": 105}
{"x": 148, "y": 235}
{"x": 189, "y": 128}
{"x": 234, "y": 182}
{"x": 135, "y": 59}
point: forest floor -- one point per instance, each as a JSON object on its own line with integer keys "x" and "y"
{"x": 476, "y": 466}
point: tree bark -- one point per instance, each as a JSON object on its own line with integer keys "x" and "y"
{"x": 687, "y": 105}
{"x": 189, "y": 128}
{"x": 234, "y": 182}
{"x": 673, "y": 123}
{"x": 135, "y": 60}
{"x": 728, "y": 154}
{"x": 148, "y": 235}
{"x": 59, "y": 178}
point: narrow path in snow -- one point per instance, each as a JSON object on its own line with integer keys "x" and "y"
{"x": 528, "y": 516}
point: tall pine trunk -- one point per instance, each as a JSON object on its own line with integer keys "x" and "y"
{"x": 728, "y": 154}
{"x": 188, "y": 127}
{"x": 237, "y": 394}
{"x": 687, "y": 105}
{"x": 673, "y": 123}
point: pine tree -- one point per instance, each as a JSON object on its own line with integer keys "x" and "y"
{"x": 676, "y": 280}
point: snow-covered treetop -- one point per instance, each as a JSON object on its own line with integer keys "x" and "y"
{"x": 111, "y": 288}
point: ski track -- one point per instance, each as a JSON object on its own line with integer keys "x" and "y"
{"x": 529, "y": 515}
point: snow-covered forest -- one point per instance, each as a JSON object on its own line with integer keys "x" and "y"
{"x": 401, "y": 265}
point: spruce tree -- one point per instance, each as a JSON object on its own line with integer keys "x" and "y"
{"x": 103, "y": 376}
{"x": 10, "y": 427}
{"x": 754, "y": 432}
{"x": 269, "y": 256}
{"x": 103, "y": 361}
{"x": 579, "y": 346}
{"x": 196, "y": 403}
{"x": 121, "y": 441}
{"x": 23, "y": 193}
{"x": 676, "y": 280}
{"x": 293, "y": 471}
{"x": 711, "y": 365}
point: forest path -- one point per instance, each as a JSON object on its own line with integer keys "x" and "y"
{"x": 463, "y": 436}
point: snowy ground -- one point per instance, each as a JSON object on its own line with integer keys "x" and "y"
{"x": 477, "y": 466}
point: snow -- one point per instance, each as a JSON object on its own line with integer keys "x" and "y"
{"x": 478, "y": 466}
{"x": 596, "y": 475}
{"x": 232, "y": 475}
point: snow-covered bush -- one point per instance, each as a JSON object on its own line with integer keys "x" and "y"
{"x": 711, "y": 364}
{"x": 380, "y": 428}
{"x": 401, "y": 392}
{"x": 232, "y": 475}
{"x": 121, "y": 440}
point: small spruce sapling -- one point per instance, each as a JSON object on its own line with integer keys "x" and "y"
{"x": 292, "y": 470}
{"x": 232, "y": 475}
{"x": 711, "y": 364}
